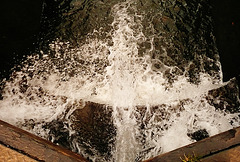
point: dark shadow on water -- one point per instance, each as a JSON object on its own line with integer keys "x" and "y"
{"x": 19, "y": 29}
{"x": 226, "y": 18}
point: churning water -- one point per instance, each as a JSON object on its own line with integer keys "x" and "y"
{"x": 150, "y": 113}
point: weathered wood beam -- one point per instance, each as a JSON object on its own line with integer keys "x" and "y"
{"x": 222, "y": 145}
{"x": 33, "y": 146}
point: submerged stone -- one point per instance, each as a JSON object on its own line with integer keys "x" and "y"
{"x": 226, "y": 97}
{"x": 91, "y": 129}
{"x": 94, "y": 127}
{"x": 199, "y": 134}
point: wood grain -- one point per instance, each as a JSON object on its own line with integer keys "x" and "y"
{"x": 34, "y": 146}
{"x": 227, "y": 141}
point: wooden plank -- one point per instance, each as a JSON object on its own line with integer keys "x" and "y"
{"x": 34, "y": 146}
{"x": 10, "y": 155}
{"x": 222, "y": 146}
{"x": 229, "y": 155}
{"x": 204, "y": 148}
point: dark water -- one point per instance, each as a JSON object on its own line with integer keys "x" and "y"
{"x": 226, "y": 28}
{"x": 21, "y": 27}
{"x": 19, "y": 30}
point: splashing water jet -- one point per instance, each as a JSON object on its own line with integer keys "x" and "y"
{"x": 153, "y": 104}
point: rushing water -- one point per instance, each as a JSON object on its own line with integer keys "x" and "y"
{"x": 154, "y": 105}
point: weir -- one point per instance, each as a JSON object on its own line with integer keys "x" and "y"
{"x": 115, "y": 80}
